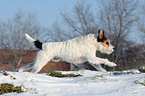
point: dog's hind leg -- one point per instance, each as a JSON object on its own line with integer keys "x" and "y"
{"x": 41, "y": 60}
{"x": 27, "y": 67}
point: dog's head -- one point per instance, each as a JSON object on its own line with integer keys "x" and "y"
{"x": 104, "y": 43}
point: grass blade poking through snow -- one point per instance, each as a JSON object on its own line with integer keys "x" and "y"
{"x": 138, "y": 82}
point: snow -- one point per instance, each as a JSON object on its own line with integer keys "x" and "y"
{"x": 91, "y": 83}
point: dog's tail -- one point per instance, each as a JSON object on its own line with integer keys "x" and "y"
{"x": 37, "y": 43}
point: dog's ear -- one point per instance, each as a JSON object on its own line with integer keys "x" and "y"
{"x": 100, "y": 36}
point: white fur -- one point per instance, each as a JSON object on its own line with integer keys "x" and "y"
{"x": 75, "y": 51}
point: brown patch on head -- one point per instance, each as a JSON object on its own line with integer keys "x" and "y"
{"x": 102, "y": 39}
{"x": 105, "y": 43}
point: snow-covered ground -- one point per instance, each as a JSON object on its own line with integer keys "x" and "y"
{"x": 92, "y": 83}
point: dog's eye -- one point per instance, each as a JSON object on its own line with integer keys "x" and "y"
{"x": 107, "y": 43}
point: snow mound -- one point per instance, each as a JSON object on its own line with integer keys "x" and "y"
{"x": 91, "y": 83}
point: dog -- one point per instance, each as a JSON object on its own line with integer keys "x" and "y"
{"x": 75, "y": 51}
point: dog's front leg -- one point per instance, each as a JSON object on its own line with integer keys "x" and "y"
{"x": 98, "y": 67}
{"x": 96, "y": 60}
{"x": 107, "y": 62}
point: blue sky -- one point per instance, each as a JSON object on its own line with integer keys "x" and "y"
{"x": 47, "y": 10}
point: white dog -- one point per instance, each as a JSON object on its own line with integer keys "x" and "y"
{"x": 77, "y": 50}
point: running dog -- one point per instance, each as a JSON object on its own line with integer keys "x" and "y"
{"x": 75, "y": 51}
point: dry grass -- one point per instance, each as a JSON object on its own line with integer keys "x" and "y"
{"x": 8, "y": 88}
{"x": 60, "y": 75}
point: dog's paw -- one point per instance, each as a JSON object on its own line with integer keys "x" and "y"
{"x": 112, "y": 64}
{"x": 20, "y": 70}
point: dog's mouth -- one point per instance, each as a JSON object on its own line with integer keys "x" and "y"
{"x": 111, "y": 49}
{"x": 110, "y": 52}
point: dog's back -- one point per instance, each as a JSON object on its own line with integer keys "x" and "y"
{"x": 74, "y": 50}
